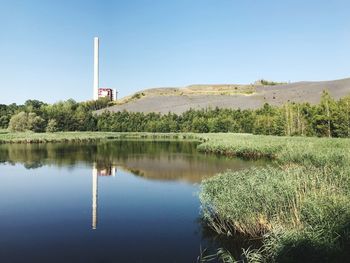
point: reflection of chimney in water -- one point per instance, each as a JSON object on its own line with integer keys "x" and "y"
{"x": 96, "y": 172}
{"x": 94, "y": 196}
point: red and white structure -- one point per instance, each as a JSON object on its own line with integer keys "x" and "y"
{"x": 107, "y": 92}
{"x": 97, "y": 91}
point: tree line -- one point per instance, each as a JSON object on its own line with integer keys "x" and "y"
{"x": 38, "y": 116}
{"x": 329, "y": 118}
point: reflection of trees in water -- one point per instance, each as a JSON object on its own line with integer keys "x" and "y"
{"x": 28, "y": 155}
{"x": 163, "y": 160}
{"x": 166, "y": 160}
{"x": 72, "y": 153}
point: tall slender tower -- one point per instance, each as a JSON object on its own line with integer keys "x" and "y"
{"x": 96, "y": 69}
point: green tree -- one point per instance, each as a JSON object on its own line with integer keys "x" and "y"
{"x": 341, "y": 118}
{"x": 199, "y": 124}
{"x": 51, "y": 126}
{"x": 4, "y": 121}
{"x": 34, "y": 106}
{"x": 323, "y": 119}
{"x": 19, "y": 122}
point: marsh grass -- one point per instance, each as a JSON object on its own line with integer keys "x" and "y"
{"x": 299, "y": 206}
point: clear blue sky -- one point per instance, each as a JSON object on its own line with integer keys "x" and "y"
{"x": 46, "y": 46}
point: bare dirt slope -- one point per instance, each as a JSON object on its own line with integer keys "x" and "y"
{"x": 178, "y": 100}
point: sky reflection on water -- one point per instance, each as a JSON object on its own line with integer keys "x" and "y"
{"x": 104, "y": 202}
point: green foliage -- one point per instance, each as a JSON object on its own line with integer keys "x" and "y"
{"x": 6, "y": 112}
{"x": 4, "y": 121}
{"x": 51, "y": 126}
{"x": 137, "y": 96}
{"x": 35, "y": 123}
{"x": 329, "y": 118}
{"x": 68, "y": 115}
{"x": 324, "y": 116}
{"x": 96, "y": 104}
{"x": 19, "y": 122}
{"x": 268, "y": 83}
{"x": 30, "y": 137}
{"x": 34, "y": 106}
{"x": 26, "y": 121}
{"x": 299, "y": 206}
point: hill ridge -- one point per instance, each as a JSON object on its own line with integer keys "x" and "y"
{"x": 251, "y": 96}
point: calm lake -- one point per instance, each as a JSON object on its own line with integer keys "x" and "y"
{"x": 113, "y": 201}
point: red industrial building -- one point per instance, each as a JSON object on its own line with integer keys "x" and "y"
{"x": 107, "y": 93}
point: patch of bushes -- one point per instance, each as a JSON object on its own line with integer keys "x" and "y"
{"x": 26, "y": 122}
{"x": 268, "y": 83}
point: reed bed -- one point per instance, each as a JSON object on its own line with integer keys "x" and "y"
{"x": 318, "y": 152}
{"x": 299, "y": 206}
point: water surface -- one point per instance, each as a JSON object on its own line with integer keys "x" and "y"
{"x": 114, "y": 201}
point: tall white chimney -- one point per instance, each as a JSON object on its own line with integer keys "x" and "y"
{"x": 96, "y": 73}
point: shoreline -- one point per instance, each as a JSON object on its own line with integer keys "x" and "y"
{"x": 300, "y": 204}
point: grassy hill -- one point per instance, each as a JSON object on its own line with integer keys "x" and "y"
{"x": 235, "y": 96}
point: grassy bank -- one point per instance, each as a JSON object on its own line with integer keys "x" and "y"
{"x": 30, "y": 137}
{"x": 301, "y": 150}
{"x": 299, "y": 207}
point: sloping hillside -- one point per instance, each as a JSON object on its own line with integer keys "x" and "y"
{"x": 253, "y": 96}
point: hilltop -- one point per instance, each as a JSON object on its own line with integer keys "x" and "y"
{"x": 232, "y": 96}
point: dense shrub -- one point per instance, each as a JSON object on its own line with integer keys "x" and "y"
{"x": 19, "y": 122}
{"x": 51, "y": 126}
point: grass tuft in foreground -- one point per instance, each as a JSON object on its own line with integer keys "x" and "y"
{"x": 299, "y": 206}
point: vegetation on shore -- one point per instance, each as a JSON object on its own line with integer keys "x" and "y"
{"x": 329, "y": 118}
{"x": 299, "y": 206}
{"x": 31, "y": 137}
{"x": 38, "y": 116}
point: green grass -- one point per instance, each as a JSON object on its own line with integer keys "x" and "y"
{"x": 299, "y": 206}
{"x": 30, "y": 137}
{"x": 300, "y": 150}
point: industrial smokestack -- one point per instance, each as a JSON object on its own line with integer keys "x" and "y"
{"x": 96, "y": 73}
